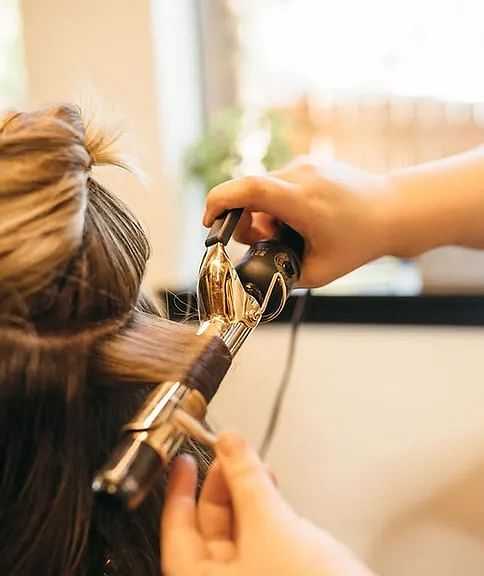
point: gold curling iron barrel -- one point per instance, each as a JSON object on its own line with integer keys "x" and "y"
{"x": 232, "y": 301}
{"x": 151, "y": 439}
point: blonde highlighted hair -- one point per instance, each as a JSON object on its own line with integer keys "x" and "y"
{"x": 73, "y": 326}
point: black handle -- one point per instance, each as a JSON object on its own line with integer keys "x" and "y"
{"x": 289, "y": 237}
{"x": 223, "y": 227}
{"x": 282, "y": 254}
{"x": 225, "y": 224}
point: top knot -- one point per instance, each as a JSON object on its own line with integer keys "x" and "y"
{"x": 101, "y": 148}
{"x": 45, "y": 160}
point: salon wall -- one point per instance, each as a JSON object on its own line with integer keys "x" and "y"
{"x": 381, "y": 438}
{"x": 129, "y": 64}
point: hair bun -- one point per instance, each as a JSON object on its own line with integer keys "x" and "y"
{"x": 101, "y": 148}
{"x": 45, "y": 158}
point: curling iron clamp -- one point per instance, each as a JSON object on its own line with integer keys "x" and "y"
{"x": 232, "y": 301}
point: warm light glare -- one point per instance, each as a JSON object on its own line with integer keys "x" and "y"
{"x": 327, "y": 48}
{"x": 11, "y": 70}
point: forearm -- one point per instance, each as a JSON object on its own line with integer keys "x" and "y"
{"x": 436, "y": 204}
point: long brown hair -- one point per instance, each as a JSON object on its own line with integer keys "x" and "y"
{"x": 79, "y": 347}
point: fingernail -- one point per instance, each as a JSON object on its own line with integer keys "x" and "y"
{"x": 183, "y": 459}
{"x": 229, "y": 444}
{"x": 186, "y": 457}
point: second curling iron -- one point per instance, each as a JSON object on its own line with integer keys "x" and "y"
{"x": 232, "y": 301}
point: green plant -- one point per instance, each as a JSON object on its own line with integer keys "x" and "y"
{"x": 214, "y": 158}
{"x": 278, "y": 151}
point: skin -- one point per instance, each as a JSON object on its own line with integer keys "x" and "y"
{"x": 241, "y": 524}
{"x": 349, "y": 217}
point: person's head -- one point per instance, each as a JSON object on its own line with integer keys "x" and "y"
{"x": 79, "y": 347}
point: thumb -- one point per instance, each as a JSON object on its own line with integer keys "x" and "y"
{"x": 254, "y": 496}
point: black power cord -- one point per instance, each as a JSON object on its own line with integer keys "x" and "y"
{"x": 296, "y": 319}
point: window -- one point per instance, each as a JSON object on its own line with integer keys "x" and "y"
{"x": 11, "y": 63}
{"x": 379, "y": 83}
{"x": 335, "y": 49}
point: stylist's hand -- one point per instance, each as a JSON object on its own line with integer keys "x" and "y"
{"x": 335, "y": 207}
{"x": 240, "y": 525}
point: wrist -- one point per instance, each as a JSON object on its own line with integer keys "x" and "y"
{"x": 388, "y": 208}
{"x": 396, "y": 221}
{"x": 417, "y": 216}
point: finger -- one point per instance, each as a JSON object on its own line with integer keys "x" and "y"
{"x": 242, "y": 232}
{"x": 181, "y": 543}
{"x": 222, "y": 551}
{"x": 271, "y": 475}
{"x": 215, "y": 515}
{"x": 315, "y": 274}
{"x": 253, "y": 493}
{"x": 256, "y": 193}
{"x": 215, "y": 512}
{"x": 255, "y": 226}
{"x": 265, "y": 225}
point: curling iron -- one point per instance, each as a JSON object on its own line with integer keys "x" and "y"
{"x": 232, "y": 301}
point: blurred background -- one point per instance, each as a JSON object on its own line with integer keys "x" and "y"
{"x": 382, "y": 433}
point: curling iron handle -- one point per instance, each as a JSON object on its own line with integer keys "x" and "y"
{"x": 223, "y": 227}
{"x": 289, "y": 237}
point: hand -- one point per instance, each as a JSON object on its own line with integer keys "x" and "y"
{"x": 338, "y": 209}
{"x": 241, "y": 525}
